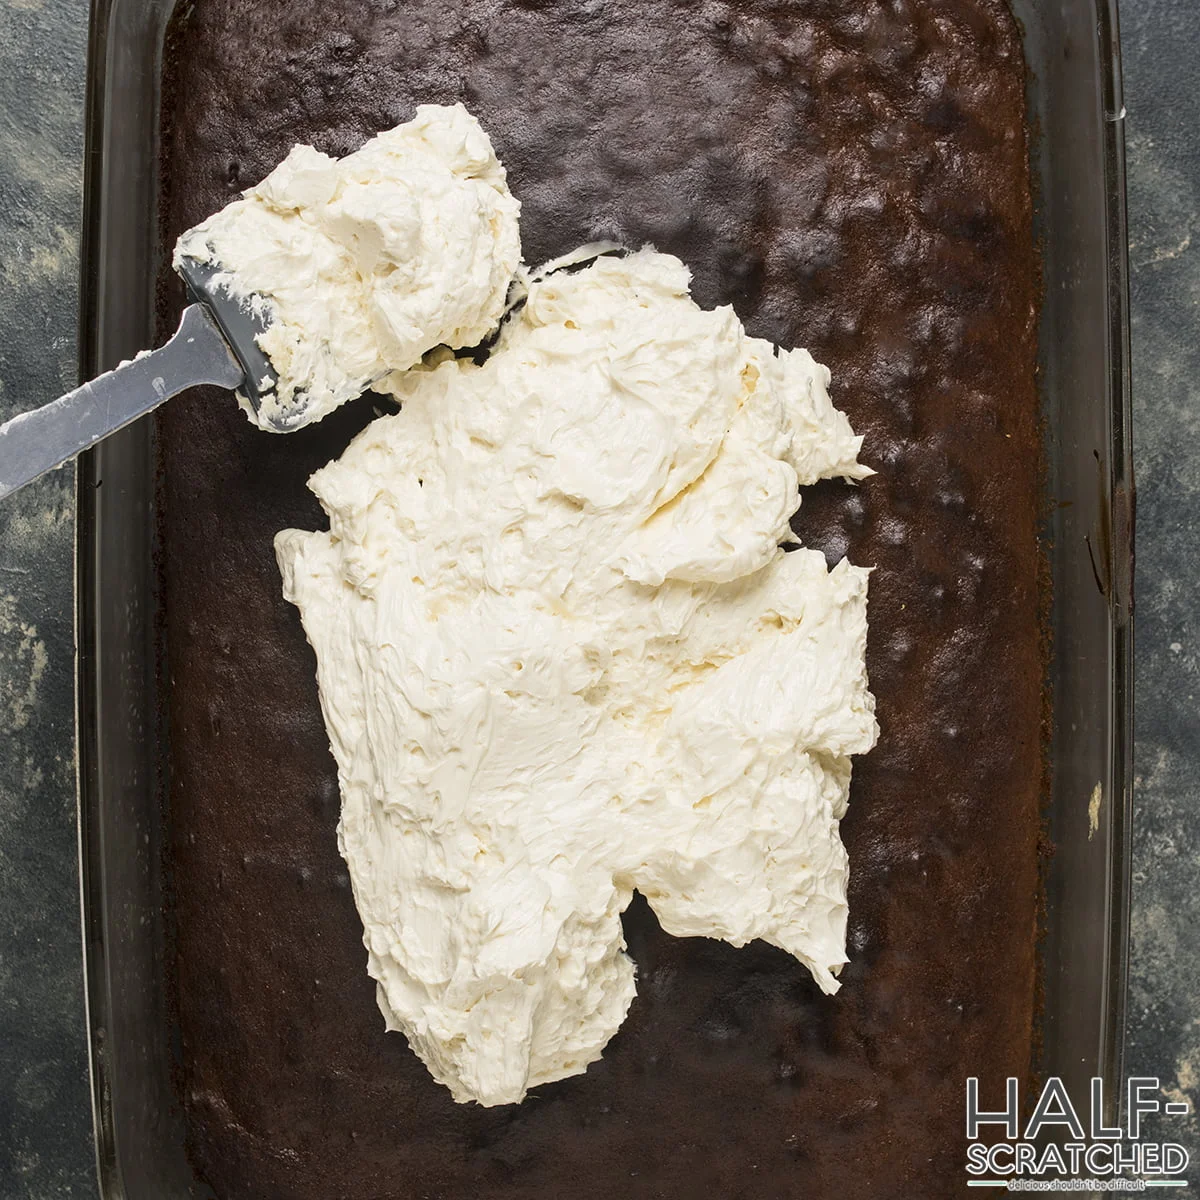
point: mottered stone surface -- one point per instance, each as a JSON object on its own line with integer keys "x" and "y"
{"x": 45, "y": 1120}
{"x": 1159, "y": 41}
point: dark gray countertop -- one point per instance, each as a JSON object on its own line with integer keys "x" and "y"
{"x": 1161, "y": 46}
{"x": 45, "y": 1123}
{"x": 45, "y": 1147}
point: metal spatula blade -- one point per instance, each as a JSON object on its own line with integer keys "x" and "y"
{"x": 215, "y": 344}
{"x": 242, "y": 323}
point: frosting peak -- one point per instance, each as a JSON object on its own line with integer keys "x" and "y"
{"x": 364, "y": 264}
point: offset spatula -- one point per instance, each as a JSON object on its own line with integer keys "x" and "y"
{"x": 215, "y": 344}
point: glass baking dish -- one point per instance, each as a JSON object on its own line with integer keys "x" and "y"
{"x": 1075, "y": 107}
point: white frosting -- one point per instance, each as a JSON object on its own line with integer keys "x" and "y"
{"x": 562, "y": 655}
{"x": 368, "y": 262}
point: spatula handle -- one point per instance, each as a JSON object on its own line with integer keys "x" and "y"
{"x": 34, "y": 442}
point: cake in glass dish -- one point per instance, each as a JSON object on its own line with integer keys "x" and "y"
{"x": 852, "y": 179}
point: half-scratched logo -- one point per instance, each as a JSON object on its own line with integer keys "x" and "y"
{"x": 1056, "y": 1151}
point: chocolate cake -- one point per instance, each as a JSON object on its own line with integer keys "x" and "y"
{"x": 853, "y": 178}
